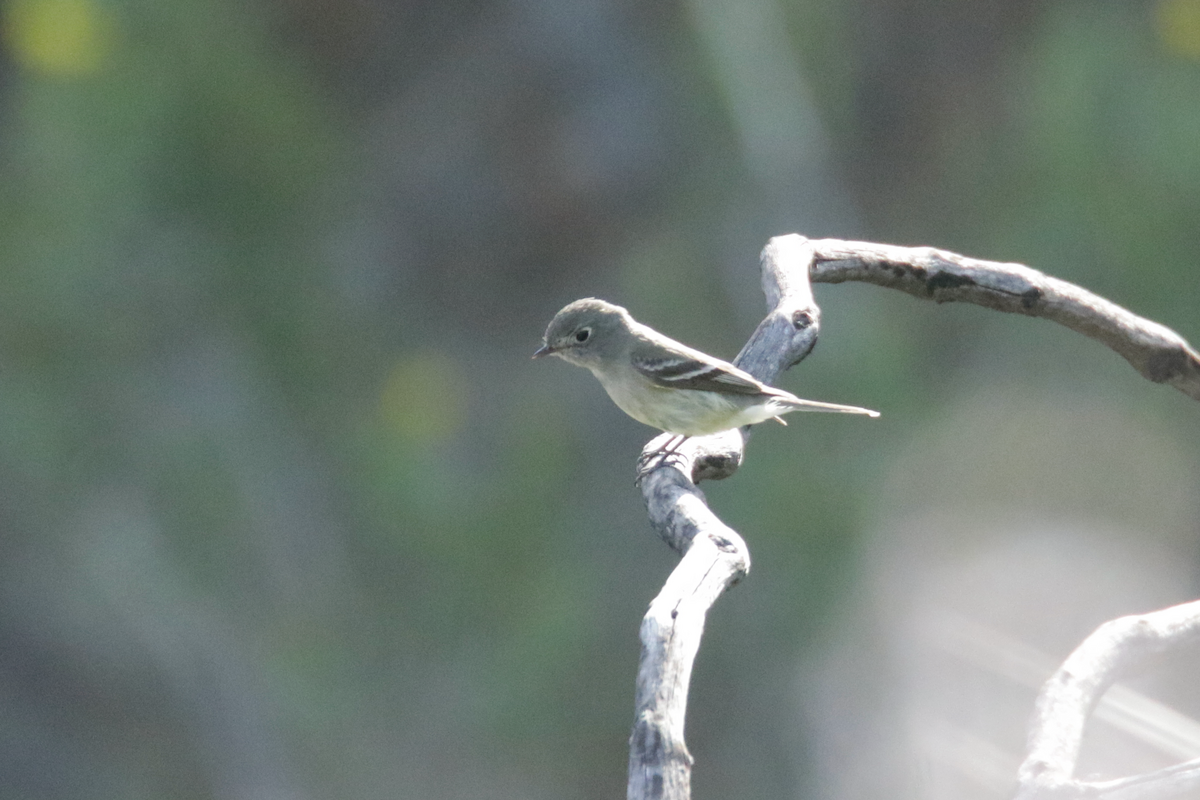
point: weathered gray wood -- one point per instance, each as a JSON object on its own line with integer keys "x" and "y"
{"x": 714, "y": 556}
{"x": 1172, "y": 781}
{"x": 1161, "y": 356}
{"x": 1157, "y": 352}
{"x": 1068, "y": 698}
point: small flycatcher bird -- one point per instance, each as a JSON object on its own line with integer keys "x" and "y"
{"x": 661, "y": 382}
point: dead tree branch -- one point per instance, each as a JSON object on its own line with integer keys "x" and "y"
{"x": 1068, "y": 698}
{"x": 1157, "y": 352}
{"x": 715, "y": 557}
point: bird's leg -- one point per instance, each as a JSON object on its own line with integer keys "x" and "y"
{"x": 663, "y": 453}
{"x": 676, "y": 444}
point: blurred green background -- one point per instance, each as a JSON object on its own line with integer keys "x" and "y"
{"x": 286, "y": 511}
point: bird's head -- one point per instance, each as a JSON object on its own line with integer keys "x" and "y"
{"x": 585, "y": 332}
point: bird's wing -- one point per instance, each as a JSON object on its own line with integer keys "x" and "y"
{"x": 680, "y": 367}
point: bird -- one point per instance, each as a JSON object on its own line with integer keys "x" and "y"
{"x": 664, "y": 383}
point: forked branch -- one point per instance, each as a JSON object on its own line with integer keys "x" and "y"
{"x": 715, "y": 557}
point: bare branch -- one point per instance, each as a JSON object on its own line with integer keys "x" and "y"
{"x": 1068, "y": 698}
{"x": 714, "y": 556}
{"x": 1168, "y": 782}
{"x": 1161, "y": 356}
{"x": 1157, "y": 352}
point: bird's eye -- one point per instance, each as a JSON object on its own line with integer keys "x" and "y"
{"x": 582, "y": 335}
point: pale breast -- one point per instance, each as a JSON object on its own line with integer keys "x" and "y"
{"x": 689, "y": 412}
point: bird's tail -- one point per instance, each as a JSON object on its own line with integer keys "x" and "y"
{"x": 796, "y": 404}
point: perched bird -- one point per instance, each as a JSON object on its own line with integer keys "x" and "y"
{"x": 661, "y": 382}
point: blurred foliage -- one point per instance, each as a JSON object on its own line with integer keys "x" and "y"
{"x": 65, "y": 37}
{"x": 1178, "y": 23}
{"x": 287, "y": 511}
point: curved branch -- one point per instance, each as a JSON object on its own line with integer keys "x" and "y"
{"x": 714, "y": 556}
{"x": 1157, "y": 352}
{"x": 1068, "y": 698}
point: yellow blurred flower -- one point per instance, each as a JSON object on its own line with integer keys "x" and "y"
{"x": 1178, "y": 23}
{"x": 424, "y": 397}
{"x": 58, "y": 37}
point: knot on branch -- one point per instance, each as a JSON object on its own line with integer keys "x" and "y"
{"x": 944, "y": 280}
{"x": 1166, "y": 365}
{"x": 802, "y": 318}
{"x": 650, "y": 744}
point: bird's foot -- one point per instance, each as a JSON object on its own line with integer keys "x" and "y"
{"x": 662, "y": 456}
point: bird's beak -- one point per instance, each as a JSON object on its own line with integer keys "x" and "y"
{"x": 544, "y": 350}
